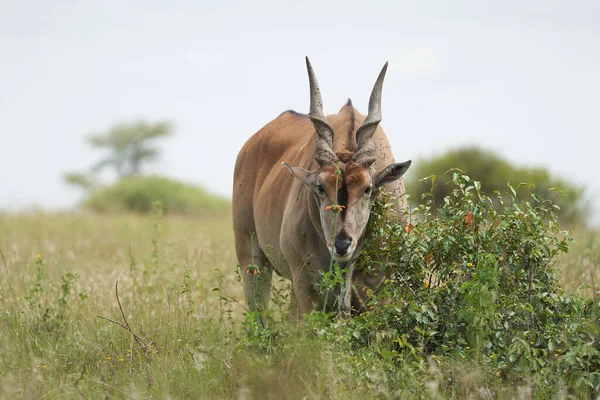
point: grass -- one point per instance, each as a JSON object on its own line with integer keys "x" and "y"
{"x": 54, "y": 345}
{"x": 62, "y": 353}
{"x": 581, "y": 266}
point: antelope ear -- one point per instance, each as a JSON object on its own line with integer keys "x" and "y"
{"x": 302, "y": 174}
{"x": 391, "y": 173}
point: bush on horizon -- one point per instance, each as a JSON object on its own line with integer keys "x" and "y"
{"x": 494, "y": 172}
{"x": 137, "y": 193}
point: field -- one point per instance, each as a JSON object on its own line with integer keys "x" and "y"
{"x": 63, "y": 334}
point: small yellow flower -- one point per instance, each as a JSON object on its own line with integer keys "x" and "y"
{"x": 497, "y": 373}
{"x": 197, "y": 285}
{"x": 530, "y": 342}
{"x": 555, "y": 354}
{"x": 129, "y": 350}
{"x": 468, "y": 347}
{"x": 38, "y": 256}
{"x": 107, "y": 358}
{"x": 121, "y": 359}
{"x": 491, "y": 356}
{"x": 43, "y": 366}
{"x": 469, "y": 264}
{"x": 426, "y": 284}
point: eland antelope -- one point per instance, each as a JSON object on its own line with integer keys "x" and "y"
{"x": 283, "y": 221}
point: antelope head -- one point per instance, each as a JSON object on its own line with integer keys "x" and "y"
{"x": 344, "y": 191}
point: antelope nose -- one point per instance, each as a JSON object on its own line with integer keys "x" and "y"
{"x": 342, "y": 244}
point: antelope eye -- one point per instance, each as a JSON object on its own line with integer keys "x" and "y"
{"x": 320, "y": 190}
{"x": 369, "y": 190}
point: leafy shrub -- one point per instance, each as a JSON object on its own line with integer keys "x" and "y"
{"x": 494, "y": 171}
{"x": 475, "y": 280}
{"x": 471, "y": 286}
{"x": 139, "y": 192}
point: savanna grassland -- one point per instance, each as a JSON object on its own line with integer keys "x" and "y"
{"x": 59, "y": 275}
{"x": 179, "y": 330}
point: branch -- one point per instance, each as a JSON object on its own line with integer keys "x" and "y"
{"x": 141, "y": 343}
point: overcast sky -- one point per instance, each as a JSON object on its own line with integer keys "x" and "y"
{"x": 519, "y": 77}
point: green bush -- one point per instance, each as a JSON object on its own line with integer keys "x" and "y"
{"x": 137, "y": 193}
{"x": 495, "y": 172}
{"x": 470, "y": 295}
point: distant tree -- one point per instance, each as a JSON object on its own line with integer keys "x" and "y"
{"x": 129, "y": 146}
{"x": 83, "y": 180}
{"x": 494, "y": 173}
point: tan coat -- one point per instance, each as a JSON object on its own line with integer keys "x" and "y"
{"x": 286, "y": 225}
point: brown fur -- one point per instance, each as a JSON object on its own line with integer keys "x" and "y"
{"x": 281, "y": 210}
{"x": 344, "y": 156}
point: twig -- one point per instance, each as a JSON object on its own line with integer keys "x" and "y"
{"x": 114, "y": 322}
{"x": 125, "y": 326}
{"x": 141, "y": 343}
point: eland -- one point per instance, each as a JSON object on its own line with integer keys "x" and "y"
{"x": 303, "y": 190}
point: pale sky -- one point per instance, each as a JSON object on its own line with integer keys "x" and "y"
{"x": 518, "y": 77}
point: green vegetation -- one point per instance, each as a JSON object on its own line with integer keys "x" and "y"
{"x": 130, "y": 146}
{"x": 137, "y": 193}
{"x": 471, "y": 307}
{"x": 494, "y": 172}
